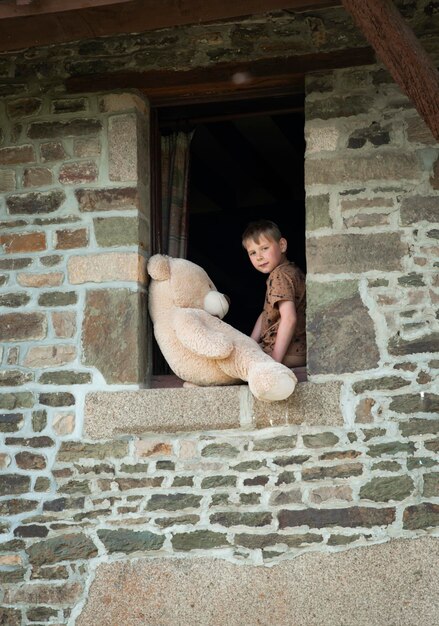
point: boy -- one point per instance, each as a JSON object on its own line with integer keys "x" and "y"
{"x": 280, "y": 328}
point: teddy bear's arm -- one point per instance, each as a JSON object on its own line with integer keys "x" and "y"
{"x": 196, "y": 331}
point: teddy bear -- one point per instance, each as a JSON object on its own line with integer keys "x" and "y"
{"x": 187, "y": 310}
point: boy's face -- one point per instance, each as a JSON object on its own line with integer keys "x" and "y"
{"x": 266, "y": 254}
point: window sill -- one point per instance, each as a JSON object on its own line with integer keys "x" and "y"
{"x": 171, "y": 410}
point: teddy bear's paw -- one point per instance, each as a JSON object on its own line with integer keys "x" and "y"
{"x": 187, "y": 385}
{"x": 271, "y": 382}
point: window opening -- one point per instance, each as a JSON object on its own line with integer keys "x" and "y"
{"x": 246, "y": 163}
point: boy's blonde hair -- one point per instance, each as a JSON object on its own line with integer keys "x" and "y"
{"x": 266, "y": 228}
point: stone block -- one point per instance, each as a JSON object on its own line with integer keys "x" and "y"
{"x": 12, "y": 484}
{"x": 329, "y": 586}
{"x": 17, "y": 155}
{"x": 122, "y": 148}
{"x": 114, "y": 266}
{"x": 311, "y": 403}
{"x": 431, "y": 485}
{"x": 87, "y": 147}
{"x": 112, "y": 198}
{"x": 341, "y": 334}
{"x": 70, "y": 547}
{"x": 53, "y": 151}
{"x": 174, "y": 409}
{"x": 50, "y": 356}
{"x": 321, "y": 138}
{"x": 57, "y": 298}
{"x": 35, "y": 202}
{"x": 72, "y": 128}
{"x": 416, "y": 403}
{"x": 72, "y": 451}
{"x": 52, "y": 595}
{"x": 68, "y": 239}
{"x": 64, "y": 324}
{"x": 337, "y": 106}
{"x": 18, "y": 400}
{"x": 7, "y": 181}
{"x": 121, "y": 102}
{"x": 233, "y": 518}
{"x": 384, "y": 489}
{"x": 419, "y": 209}
{"x": 348, "y": 517}
{"x": 127, "y": 541}
{"x": 69, "y": 105}
{"x": 334, "y": 471}
{"x": 37, "y": 177}
{"x": 399, "y": 346}
{"x": 380, "y": 166}
{"x": 385, "y": 382}
{"x": 22, "y": 326}
{"x": 113, "y": 331}
{"x": 355, "y": 253}
{"x": 23, "y": 107}
{"x": 198, "y": 540}
{"x": 15, "y": 243}
{"x": 116, "y": 231}
{"x": 53, "y": 279}
{"x": 423, "y": 515}
{"x": 173, "y": 502}
{"x": 317, "y": 212}
{"x": 78, "y": 173}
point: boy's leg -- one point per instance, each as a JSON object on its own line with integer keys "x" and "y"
{"x": 294, "y": 360}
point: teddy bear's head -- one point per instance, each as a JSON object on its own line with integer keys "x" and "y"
{"x": 181, "y": 283}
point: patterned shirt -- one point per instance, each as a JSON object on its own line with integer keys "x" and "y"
{"x": 285, "y": 282}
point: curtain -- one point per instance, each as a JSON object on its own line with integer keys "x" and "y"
{"x": 174, "y": 209}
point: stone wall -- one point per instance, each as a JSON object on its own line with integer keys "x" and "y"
{"x": 272, "y": 490}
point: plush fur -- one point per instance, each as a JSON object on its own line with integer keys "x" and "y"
{"x": 186, "y": 310}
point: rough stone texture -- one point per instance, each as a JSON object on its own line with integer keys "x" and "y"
{"x": 122, "y": 147}
{"x": 22, "y": 326}
{"x": 337, "y": 320}
{"x": 383, "y": 166}
{"x": 50, "y": 356}
{"x": 356, "y": 253}
{"x": 35, "y": 202}
{"x": 172, "y": 410}
{"x": 67, "y": 547}
{"x": 317, "y": 589}
{"x": 348, "y": 517}
{"x": 98, "y": 268}
{"x": 161, "y": 410}
{"x": 419, "y": 209}
{"x": 117, "y": 350}
{"x": 311, "y": 403}
{"x": 317, "y": 212}
{"x": 116, "y": 231}
{"x": 428, "y": 343}
{"x": 114, "y": 198}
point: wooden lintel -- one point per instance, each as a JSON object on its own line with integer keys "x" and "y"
{"x": 115, "y": 17}
{"x": 226, "y": 80}
{"x": 23, "y": 8}
{"x": 401, "y": 52}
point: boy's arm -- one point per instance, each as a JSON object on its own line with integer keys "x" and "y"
{"x": 286, "y": 330}
{"x": 256, "y": 332}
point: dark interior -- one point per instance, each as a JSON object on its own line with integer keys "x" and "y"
{"x": 246, "y": 163}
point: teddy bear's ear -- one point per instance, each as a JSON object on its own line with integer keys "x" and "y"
{"x": 158, "y": 267}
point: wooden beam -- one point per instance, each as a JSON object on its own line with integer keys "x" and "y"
{"x": 135, "y": 16}
{"x": 401, "y": 52}
{"x": 223, "y": 80}
{"x": 23, "y": 8}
